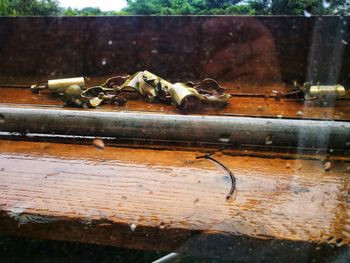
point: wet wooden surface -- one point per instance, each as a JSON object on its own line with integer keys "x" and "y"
{"x": 239, "y": 106}
{"x": 162, "y": 198}
{"x": 165, "y": 199}
{"x": 153, "y": 199}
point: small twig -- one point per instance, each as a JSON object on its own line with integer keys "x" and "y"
{"x": 233, "y": 178}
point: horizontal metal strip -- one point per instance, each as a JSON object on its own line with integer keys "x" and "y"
{"x": 194, "y": 128}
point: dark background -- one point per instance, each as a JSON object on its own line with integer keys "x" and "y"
{"x": 233, "y": 48}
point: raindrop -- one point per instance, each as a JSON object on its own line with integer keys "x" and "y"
{"x": 326, "y": 3}
{"x": 268, "y": 140}
{"x": 287, "y": 165}
{"x": 85, "y": 106}
{"x": 344, "y": 42}
{"x": 51, "y": 174}
{"x": 300, "y": 113}
{"x": 154, "y": 51}
{"x": 327, "y": 166}
{"x": 196, "y": 201}
{"x": 299, "y": 166}
{"x": 132, "y": 227}
{"x": 2, "y": 118}
{"x": 98, "y": 143}
{"x": 279, "y": 116}
{"x": 339, "y": 242}
{"x": 104, "y": 61}
{"x": 306, "y": 13}
{"x": 110, "y": 42}
{"x": 225, "y": 137}
{"x": 78, "y": 102}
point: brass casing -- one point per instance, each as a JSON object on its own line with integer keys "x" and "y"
{"x": 59, "y": 85}
{"x": 180, "y": 91}
{"x": 321, "y": 91}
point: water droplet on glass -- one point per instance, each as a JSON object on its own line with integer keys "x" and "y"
{"x": 287, "y": 165}
{"x": 2, "y": 118}
{"x": 279, "y": 116}
{"x": 339, "y": 242}
{"x": 300, "y": 113}
{"x": 344, "y": 42}
{"x": 104, "y": 61}
{"x": 299, "y": 166}
{"x": 327, "y": 166}
{"x": 110, "y": 42}
{"x": 98, "y": 143}
{"x": 154, "y": 51}
{"x": 306, "y": 13}
{"x": 225, "y": 137}
{"x": 268, "y": 140}
{"x": 326, "y": 3}
{"x": 132, "y": 227}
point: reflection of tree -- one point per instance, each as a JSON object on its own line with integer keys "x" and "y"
{"x": 29, "y": 7}
{"x": 182, "y": 7}
{"x": 227, "y": 7}
{"x": 298, "y": 7}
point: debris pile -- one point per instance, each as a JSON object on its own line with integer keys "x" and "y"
{"x": 185, "y": 95}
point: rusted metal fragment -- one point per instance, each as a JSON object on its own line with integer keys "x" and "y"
{"x": 74, "y": 92}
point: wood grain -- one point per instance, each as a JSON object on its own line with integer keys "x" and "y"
{"x": 77, "y": 192}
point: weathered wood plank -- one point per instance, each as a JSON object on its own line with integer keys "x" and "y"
{"x": 76, "y": 192}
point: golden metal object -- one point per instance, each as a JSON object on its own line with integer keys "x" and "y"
{"x": 146, "y": 84}
{"x": 325, "y": 94}
{"x": 180, "y": 91}
{"x": 59, "y": 85}
{"x": 318, "y": 91}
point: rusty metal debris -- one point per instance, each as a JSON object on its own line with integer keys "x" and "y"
{"x": 208, "y": 156}
{"x": 185, "y": 96}
{"x": 324, "y": 95}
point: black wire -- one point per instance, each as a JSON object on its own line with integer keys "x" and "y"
{"x": 233, "y": 178}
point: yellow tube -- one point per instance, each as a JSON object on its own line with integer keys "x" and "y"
{"x": 59, "y": 85}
